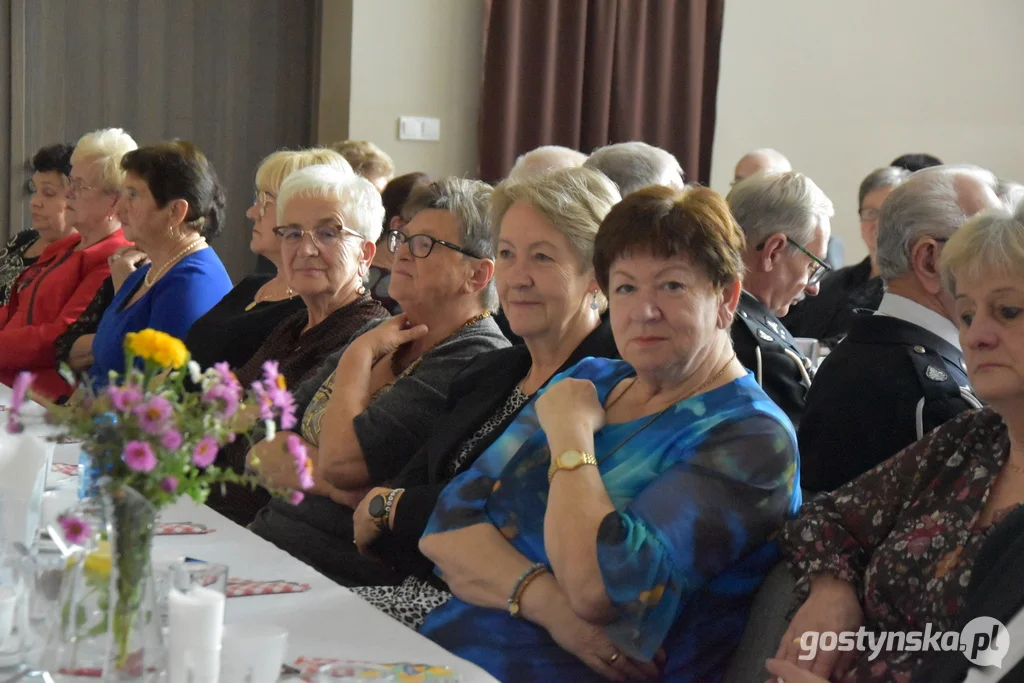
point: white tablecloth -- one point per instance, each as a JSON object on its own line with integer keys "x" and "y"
{"x": 326, "y": 621}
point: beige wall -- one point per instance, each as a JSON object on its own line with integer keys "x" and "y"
{"x": 406, "y": 57}
{"x": 844, "y": 87}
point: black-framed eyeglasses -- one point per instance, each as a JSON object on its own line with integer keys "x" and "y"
{"x": 324, "y": 236}
{"x": 817, "y": 267}
{"x": 421, "y": 245}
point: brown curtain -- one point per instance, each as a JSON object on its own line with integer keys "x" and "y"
{"x": 587, "y": 73}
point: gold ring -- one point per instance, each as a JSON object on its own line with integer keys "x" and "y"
{"x": 614, "y": 658}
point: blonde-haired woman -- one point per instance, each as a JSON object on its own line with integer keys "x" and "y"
{"x": 546, "y": 285}
{"x": 233, "y": 329}
{"x": 51, "y": 294}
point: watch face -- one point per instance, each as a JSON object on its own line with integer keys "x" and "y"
{"x": 571, "y": 459}
{"x": 376, "y": 507}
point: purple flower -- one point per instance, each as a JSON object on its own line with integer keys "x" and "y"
{"x": 205, "y": 452}
{"x": 303, "y": 465}
{"x": 21, "y": 384}
{"x": 153, "y": 414}
{"x": 227, "y": 395}
{"x": 76, "y": 530}
{"x": 225, "y": 377}
{"x": 124, "y": 398}
{"x": 296, "y": 497}
{"x": 264, "y": 401}
{"x": 138, "y": 455}
{"x": 270, "y": 373}
{"x": 283, "y": 401}
{"x": 171, "y": 440}
{"x": 169, "y": 484}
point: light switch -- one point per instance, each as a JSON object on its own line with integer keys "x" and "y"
{"x": 419, "y": 128}
{"x": 409, "y": 128}
{"x": 431, "y": 129}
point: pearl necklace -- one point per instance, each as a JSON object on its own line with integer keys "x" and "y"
{"x": 150, "y": 281}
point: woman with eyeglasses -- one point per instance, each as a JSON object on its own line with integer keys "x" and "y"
{"x": 51, "y": 173}
{"x": 170, "y": 205}
{"x": 330, "y": 220}
{"x": 240, "y": 322}
{"x": 369, "y": 407}
{"x": 54, "y": 291}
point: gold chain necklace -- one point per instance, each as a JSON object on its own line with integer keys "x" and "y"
{"x": 702, "y": 387}
{"x": 397, "y": 371}
{"x": 195, "y": 244}
{"x": 257, "y": 300}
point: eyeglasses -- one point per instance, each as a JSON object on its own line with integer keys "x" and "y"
{"x": 817, "y": 267}
{"x": 261, "y": 198}
{"x": 421, "y": 245}
{"x": 78, "y": 186}
{"x": 869, "y": 214}
{"x": 326, "y": 237}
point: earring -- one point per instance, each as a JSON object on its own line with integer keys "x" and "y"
{"x": 593, "y": 302}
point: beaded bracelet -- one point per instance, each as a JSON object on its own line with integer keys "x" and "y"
{"x": 520, "y": 585}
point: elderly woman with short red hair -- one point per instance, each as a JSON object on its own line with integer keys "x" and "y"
{"x": 574, "y": 537}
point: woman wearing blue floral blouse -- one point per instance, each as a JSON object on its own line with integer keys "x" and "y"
{"x": 621, "y": 524}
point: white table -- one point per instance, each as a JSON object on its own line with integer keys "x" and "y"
{"x": 326, "y": 621}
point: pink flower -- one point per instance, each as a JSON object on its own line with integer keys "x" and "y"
{"x": 171, "y": 440}
{"x": 296, "y": 497}
{"x": 76, "y": 531}
{"x": 283, "y": 401}
{"x": 138, "y": 455}
{"x": 270, "y": 373}
{"x": 264, "y": 400}
{"x": 226, "y": 394}
{"x": 21, "y": 384}
{"x": 153, "y": 414}
{"x": 124, "y": 398}
{"x": 169, "y": 484}
{"x": 225, "y": 376}
{"x": 303, "y": 465}
{"x": 205, "y": 452}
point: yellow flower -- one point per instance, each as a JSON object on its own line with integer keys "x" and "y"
{"x": 158, "y": 347}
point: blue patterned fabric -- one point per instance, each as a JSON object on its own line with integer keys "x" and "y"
{"x": 699, "y": 494}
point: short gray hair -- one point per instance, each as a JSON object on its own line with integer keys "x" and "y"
{"x": 361, "y": 206}
{"x": 544, "y": 160}
{"x": 888, "y": 176}
{"x": 470, "y": 202}
{"x": 634, "y": 165}
{"x": 776, "y": 160}
{"x": 927, "y": 204}
{"x": 992, "y": 242}
{"x": 1010, "y": 193}
{"x": 766, "y": 203}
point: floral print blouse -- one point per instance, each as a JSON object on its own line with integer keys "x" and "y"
{"x": 906, "y": 534}
{"x": 13, "y": 261}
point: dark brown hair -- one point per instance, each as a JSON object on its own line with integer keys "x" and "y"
{"x": 694, "y": 223}
{"x": 396, "y": 194}
{"x": 179, "y": 170}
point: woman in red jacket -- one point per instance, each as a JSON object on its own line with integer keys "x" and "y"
{"x": 53, "y": 292}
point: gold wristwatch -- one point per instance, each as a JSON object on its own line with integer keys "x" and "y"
{"x": 570, "y": 460}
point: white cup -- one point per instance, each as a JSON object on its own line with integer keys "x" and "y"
{"x": 252, "y": 653}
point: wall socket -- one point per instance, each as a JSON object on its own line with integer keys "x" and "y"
{"x": 419, "y": 128}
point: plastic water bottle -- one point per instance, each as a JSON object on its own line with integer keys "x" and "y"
{"x": 88, "y": 473}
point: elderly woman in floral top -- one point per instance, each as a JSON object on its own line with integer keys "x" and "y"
{"x": 894, "y": 549}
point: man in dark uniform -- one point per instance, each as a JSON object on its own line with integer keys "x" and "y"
{"x": 828, "y": 316}
{"x": 785, "y": 218}
{"x": 900, "y": 372}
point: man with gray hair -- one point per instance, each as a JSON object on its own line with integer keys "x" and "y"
{"x": 900, "y": 372}
{"x": 785, "y": 219}
{"x": 635, "y": 165}
{"x": 544, "y": 160}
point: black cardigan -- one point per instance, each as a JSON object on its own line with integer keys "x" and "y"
{"x": 475, "y": 395}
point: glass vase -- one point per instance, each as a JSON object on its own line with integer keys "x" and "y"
{"x": 135, "y": 650}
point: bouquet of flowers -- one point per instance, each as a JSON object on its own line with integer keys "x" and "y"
{"x": 152, "y": 435}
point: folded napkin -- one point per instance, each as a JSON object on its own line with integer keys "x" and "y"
{"x": 64, "y": 468}
{"x": 239, "y": 588}
{"x": 24, "y": 462}
{"x": 411, "y": 673}
{"x": 182, "y": 529}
